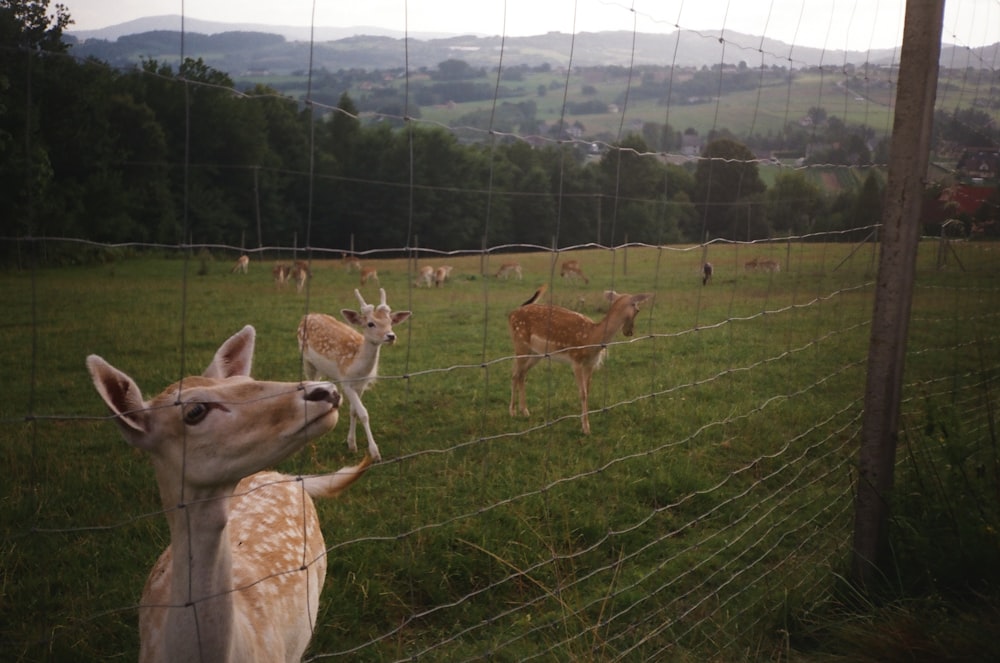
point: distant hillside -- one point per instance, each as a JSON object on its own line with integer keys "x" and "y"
{"x": 282, "y": 49}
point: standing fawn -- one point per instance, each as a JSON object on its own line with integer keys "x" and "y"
{"x": 242, "y": 265}
{"x": 426, "y": 277}
{"x": 338, "y": 352}
{"x": 280, "y": 273}
{"x": 369, "y": 274}
{"x": 241, "y": 578}
{"x": 545, "y": 330}
{"x": 571, "y": 268}
{"x": 300, "y": 272}
{"x": 442, "y": 274}
{"x": 509, "y": 268}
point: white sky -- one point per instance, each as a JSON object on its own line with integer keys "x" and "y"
{"x": 831, "y": 24}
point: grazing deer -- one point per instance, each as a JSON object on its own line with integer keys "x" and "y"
{"x": 242, "y": 265}
{"x": 770, "y": 265}
{"x": 545, "y": 330}
{"x": 280, "y": 273}
{"x": 706, "y": 273}
{"x": 351, "y": 263}
{"x": 750, "y": 265}
{"x": 301, "y": 273}
{"x": 426, "y": 277}
{"x": 571, "y": 268}
{"x": 509, "y": 268}
{"x": 241, "y": 577}
{"x": 369, "y": 274}
{"x": 441, "y": 274}
{"x": 340, "y": 353}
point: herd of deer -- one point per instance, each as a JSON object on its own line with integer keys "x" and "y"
{"x": 228, "y": 587}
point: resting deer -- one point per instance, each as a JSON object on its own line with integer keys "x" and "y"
{"x": 242, "y": 265}
{"x": 339, "y": 352}
{"x": 571, "y": 268}
{"x": 426, "y": 277}
{"x": 509, "y": 268}
{"x": 369, "y": 274}
{"x": 545, "y": 330}
{"x": 241, "y": 578}
{"x": 442, "y": 274}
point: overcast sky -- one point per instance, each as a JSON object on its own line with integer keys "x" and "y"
{"x": 831, "y": 24}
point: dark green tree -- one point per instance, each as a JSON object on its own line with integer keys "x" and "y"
{"x": 726, "y": 181}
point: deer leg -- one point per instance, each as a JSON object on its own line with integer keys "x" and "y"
{"x": 582, "y": 374}
{"x": 518, "y": 392}
{"x": 358, "y": 412}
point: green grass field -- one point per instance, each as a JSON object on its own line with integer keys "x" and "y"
{"x": 709, "y": 510}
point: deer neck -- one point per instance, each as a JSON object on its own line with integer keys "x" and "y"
{"x": 201, "y": 626}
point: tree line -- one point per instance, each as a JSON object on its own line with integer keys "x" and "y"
{"x": 164, "y": 155}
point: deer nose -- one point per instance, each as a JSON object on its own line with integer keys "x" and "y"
{"x": 390, "y": 337}
{"x": 322, "y": 391}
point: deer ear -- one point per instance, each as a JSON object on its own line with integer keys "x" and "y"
{"x": 352, "y": 317}
{"x": 122, "y": 396}
{"x": 400, "y": 316}
{"x": 234, "y": 357}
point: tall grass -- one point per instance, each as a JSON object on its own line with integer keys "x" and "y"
{"x": 708, "y": 511}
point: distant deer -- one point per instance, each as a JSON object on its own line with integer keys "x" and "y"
{"x": 351, "y": 263}
{"x": 545, "y": 330}
{"x": 750, "y": 265}
{"x": 426, "y": 277}
{"x": 280, "y": 273}
{"x": 241, "y": 578}
{"x": 442, "y": 274}
{"x": 242, "y": 265}
{"x": 300, "y": 272}
{"x": 509, "y": 268}
{"x": 369, "y": 274}
{"x": 339, "y": 352}
{"x": 706, "y": 273}
{"x": 571, "y": 268}
{"x": 769, "y": 265}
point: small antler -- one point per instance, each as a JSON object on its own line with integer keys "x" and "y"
{"x": 366, "y": 307}
{"x": 383, "y": 305}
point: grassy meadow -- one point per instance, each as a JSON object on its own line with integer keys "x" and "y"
{"x": 706, "y": 517}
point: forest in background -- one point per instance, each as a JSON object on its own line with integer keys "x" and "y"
{"x": 167, "y": 154}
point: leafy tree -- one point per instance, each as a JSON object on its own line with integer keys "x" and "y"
{"x": 725, "y": 181}
{"x": 794, "y": 201}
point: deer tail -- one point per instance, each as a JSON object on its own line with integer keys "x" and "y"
{"x": 331, "y": 485}
{"x": 538, "y": 293}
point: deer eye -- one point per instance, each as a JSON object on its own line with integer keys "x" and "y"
{"x": 195, "y": 413}
{"x": 371, "y": 324}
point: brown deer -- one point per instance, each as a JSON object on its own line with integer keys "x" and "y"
{"x": 241, "y": 578}
{"x": 425, "y": 277}
{"x": 442, "y": 274}
{"x": 750, "y": 265}
{"x": 351, "y": 263}
{"x": 769, "y": 265}
{"x": 706, "y": 273}
{"x": 242, "y": 265}
{"x": 369, "y": 274}
{"x": 280, "y": 274}
{"x": 546, "y": 330}
{"x": 571, "y": 268}
{"x": 341, "y": 353}
{"x": 301, "y": 273}
{"x": 508, "y": 269}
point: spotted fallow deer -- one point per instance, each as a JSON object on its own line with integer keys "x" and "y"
{"x": 242, "y": 265}
{"x": 571, "y": 268}
{"x": 241, "y": 577}
{"x": 509, "y": 269}
{"x": 339, "y": 352}
{"x": 545, "y": 330}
